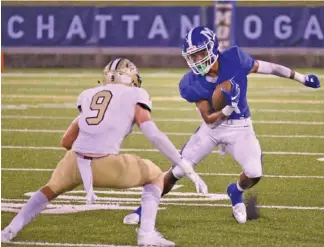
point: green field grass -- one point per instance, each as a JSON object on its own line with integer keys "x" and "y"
{"x": 287, "y": 118}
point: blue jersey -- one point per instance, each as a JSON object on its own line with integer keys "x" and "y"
{"x": 233, "y": 63}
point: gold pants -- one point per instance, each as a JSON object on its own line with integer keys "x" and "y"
{"x": 113, "y": 171}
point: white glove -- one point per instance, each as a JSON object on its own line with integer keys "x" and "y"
{"x": 200, "y": 185}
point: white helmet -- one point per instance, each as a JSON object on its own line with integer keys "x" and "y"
{"x": 122, "y": 71}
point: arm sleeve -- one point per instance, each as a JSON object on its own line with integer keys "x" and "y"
{"x": 160, "y": 141}
{"x": 268, "y": 68}
{"x": 273, "y": 69}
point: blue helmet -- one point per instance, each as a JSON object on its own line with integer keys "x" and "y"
{"x": 200, "y": 49}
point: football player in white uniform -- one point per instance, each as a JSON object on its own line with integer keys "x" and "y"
{"x": 107, "y": 115}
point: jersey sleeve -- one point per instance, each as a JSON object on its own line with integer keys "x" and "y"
{"x": 79, "y": 101}
{"x": 187, "y": 90}
{"x": 144, "y": 98}
{"x": 246, "y": 61}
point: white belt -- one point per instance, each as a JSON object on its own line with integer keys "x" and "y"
{"x": 84, "y": 165}
{"x": 237, "y": 122}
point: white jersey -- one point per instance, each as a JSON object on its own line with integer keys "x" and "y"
{"x": 107, "y": 116}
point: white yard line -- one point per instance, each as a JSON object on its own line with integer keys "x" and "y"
{"x": 180, "y": 120}
{"x": 167, "y": 133}
{"x": 164, "y": 202}
{"x": 167, "y": 99}
{"x": 33, "y": 130}
{"x": 259, "y": 206}
{"x": 32, "y": 147}
{"x": 27, "y": 169}
{"x": 202, "y": 173}
{"x": 266, "y": 176}
{"x": 39, "y": 106}
{"x": 155, "y": 150}
{"x": 275, "y": 153}
{"x": 291, "y": 136}
{"x": 261, "y": 110}
{"x": 96, "y": 75}
{"x": 171, "y": 109}
{"x": 38, "y": 96}
{"x": 160, "y": 89}
{"x": 65, "y": 244}
{"x": 79, "y": 85}
{"x": 144, "y": 74}
{"x": 37, "y": 117}
{"x": 286, "y": 111}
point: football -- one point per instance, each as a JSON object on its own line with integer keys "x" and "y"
{"x": 218, "y": 99}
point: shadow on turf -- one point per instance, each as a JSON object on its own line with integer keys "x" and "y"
{"x": 252, "y": 211}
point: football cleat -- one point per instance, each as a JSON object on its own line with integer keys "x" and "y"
{"x": 239, "y": 213}
{"x": 131, "y": 219}
{"x": 238, "y": 207}
{"x": 152, "y": 239}
{"x": 7, "y": 235}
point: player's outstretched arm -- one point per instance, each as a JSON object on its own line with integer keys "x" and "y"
{"x": 165, "y": 146}
{"x": 151, "y": 131}
{"x": 263, "y": 67}
{"x": 70, "y": 134}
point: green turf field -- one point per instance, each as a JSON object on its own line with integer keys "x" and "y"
{"x": 289, "y": 122}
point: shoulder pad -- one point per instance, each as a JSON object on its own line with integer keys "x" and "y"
{"x": 187, "y": 88}
{"x": 241, "y": 58}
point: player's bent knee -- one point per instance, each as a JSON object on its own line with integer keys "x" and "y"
{"x": 158, "y": 181}
{"x": 254, "y": 171}
{"x": 48, "y": 192}
{"x": 253, "y": 174}
{"x": 152, "y": 172}
{"x": 58, "y": 187}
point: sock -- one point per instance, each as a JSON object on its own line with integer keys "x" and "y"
{"x": 30, "y": 210}
{"x": 235, "y": 193}
{"x": 239, "y": 187}
{"x": 150, "y": 202}
{"x": 138, "y": 211}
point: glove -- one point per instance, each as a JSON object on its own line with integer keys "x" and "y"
{"x": 200, "y": 185}
{"x": 312, "y": 81}
{"x": 233, "y": 97}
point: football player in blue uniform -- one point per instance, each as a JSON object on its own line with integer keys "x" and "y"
{"x": 230, "y": 127}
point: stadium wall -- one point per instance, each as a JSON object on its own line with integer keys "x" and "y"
{"x": 42, "y": 34}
